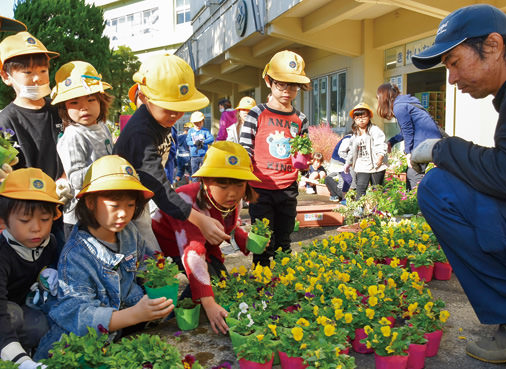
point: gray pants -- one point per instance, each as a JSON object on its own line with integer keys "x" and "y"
{"x": 30, "y": 325}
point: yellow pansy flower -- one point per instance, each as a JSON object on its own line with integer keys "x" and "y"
{"x": 385, "y": 330}
{"x": 444, "y": 315}
{"x": 329, "y": 330}
{"x": 285, "y": 261}
{"x": 260, "y": 337}
{"x": 272, "y": 327}
{"x": 373, "y": 301}
{"x": 303, "y": 322}
{"x": 297, "y": 333}
{"x": 369, "y": 313}
{"x": 348, "y": 318}
{"x": 239, "y": 295}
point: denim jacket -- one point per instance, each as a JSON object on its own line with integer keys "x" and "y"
{"x": 94, "y": 282}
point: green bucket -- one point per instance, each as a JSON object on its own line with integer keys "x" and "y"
{"x": 256, "y": 243}
{"x": 187, "y": 319}
{"x": 170, "y": 292}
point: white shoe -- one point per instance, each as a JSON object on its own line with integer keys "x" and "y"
{"x": 310, "y": 191}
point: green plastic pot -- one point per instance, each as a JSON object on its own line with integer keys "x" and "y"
{"x": 256, "y": 243}
{"x": 296, "y": 226}
{"x": 187, "y": 319}
{"x": 7, "y": 154}
{"x": 170, "y": 292}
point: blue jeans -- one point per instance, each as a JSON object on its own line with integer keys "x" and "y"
{"x": 196, "y": 162}
{"x": 183, "y": 166}
{"x": 471, "y": 228}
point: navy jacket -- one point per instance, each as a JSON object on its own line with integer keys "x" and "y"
{"x": 483, "y": 168}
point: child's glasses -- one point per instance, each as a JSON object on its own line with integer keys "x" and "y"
{"x": 282, "y": 86}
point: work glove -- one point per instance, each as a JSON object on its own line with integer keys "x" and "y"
{"x": 64, "y": 191}
{"x": 423, "y": 154}
{"x": 30, "y": 364}
{"x": 49, "y": 279}
{"x": 7, "y": 168}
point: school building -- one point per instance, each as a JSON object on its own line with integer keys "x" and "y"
{"x": 146, "y": 26}
{"x": 350, "y": 47}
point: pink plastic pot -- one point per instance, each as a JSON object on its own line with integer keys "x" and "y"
{"x": 442, "y": 271}
{"x": 433, "y": 342}
{"x": 403, "y": 262}
{"x": 358, "y": 346}
{"x": 416, "y": 358}
{"x": 391, "y": 362}
{"x": 299, "y": 161}
{"x": 424, "y": 272}
{"x": 246, "y": 364}
{"x": 391, "y": 319}
{"x": 289, "y": 362}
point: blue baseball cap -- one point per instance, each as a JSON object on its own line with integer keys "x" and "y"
{"x": 468, "y": 22}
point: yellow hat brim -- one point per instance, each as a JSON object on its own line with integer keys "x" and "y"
{"x": 78, "y": 92}
{"x": 245, "y": 175}
{"x": 31, "y": 195}
{"x": 196, "y": 102}
{"x": 126, "y": 183}
{"x": 288, "y": 77}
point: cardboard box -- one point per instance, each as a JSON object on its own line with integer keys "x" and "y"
{"x": 319, "y": 215}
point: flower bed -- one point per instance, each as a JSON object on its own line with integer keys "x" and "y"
{"x": 311, "y": 303}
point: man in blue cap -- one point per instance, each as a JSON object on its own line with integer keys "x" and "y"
{"x": 464, "y": 198}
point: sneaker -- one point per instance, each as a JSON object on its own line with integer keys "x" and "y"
{"x": 334, "y": 198}
{"x": 343, "y": 202}
{"x": 490, "y": 350}
{"x": 310, "y": 191}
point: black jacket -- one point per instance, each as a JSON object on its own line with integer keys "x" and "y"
{"x": 143, "y": 142}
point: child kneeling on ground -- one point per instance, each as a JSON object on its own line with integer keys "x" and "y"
{"x": 97, "y": 267}
{"x": 28, "y": 206}
{"x": 224, "y": 177}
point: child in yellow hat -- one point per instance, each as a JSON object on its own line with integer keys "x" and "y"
{"x": 167, "y": 88}
{"x": 25, "y": 67}
{"x": 269, "y": 146}
{"x": 98, "y": 265}
{"x": 234, "y": 130}
{"x": 198, "y": 140}
{"x": 28, "y": 206}
{"x": 224, "y": 177}
{"x": 82, "y": 104}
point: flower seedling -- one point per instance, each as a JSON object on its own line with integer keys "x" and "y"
{"x": 159, "y": 271}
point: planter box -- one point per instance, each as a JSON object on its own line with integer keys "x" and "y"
{"x": 322, "y": 190}
{"x": 319, "y": 215}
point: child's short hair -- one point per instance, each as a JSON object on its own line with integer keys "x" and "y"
{"x": 88, "y": 219}
{"x": 9, "y": 205}
{"x": 318, "y": 156}
{"x": 202, "y": 201}
{"x": 25, "y": 61}
{"x": 105, "y": 100}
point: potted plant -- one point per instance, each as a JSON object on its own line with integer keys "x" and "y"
{"x": 390, "y": 345}
{"x": 257, "y": 352}
{"x": 7, "y": 151}
{"x": 442, "y": 268}
{"x": 159, "y": 276}
{"x": 417, "y": 347}
{"x": 187, "y": 314}
{"x": 259, "y": 236}
{"x": 291, "y": 347}
{"x": 301, "y": 149}
{"x": 430, "y": 319}
{"x": 421, "y": 262}
{"x": 8, "y": 365}
{"x": 144, "y": 351}
{"x": 88, "y": 351}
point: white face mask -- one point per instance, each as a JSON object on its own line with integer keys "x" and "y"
{"x": 32, "y": 92}
{"x": 222, "y": 109}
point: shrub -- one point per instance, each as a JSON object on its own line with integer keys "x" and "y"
{"x": 324, "y": 140}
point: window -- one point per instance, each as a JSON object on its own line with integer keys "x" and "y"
{"x": 182, "y": 11}
{"x": 133, "y": 25}
{"x": 327, "y": 104}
